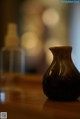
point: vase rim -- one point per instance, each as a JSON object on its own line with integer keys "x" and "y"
{"x": 61, "y": 47}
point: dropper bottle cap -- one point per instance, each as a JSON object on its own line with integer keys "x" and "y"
{"x": 11, "y": 38}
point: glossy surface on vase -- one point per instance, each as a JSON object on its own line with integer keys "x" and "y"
{"x": 62, "y": 80}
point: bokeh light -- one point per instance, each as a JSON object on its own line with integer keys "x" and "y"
{"x": 43, "y": 26}
{"x": 31, "y": 43}
{"x": 33, "y": 46}
{"x": 50, "y": 17}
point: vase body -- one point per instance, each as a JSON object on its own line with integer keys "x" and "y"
{"x": 62, "y": 80}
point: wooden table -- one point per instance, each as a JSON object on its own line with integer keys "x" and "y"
{"x": 24, "y": 99}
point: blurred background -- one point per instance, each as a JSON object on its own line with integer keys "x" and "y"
{"x": 42, "y": 24}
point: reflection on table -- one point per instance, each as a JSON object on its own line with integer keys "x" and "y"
{"x": 22, "y": 97}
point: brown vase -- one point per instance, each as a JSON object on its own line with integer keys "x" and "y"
{"x": 62, "y": 80}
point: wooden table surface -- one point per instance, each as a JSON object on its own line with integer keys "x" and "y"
{"x": 24, "y": 99}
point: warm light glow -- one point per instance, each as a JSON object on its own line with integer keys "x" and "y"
{"x": 29, "y": 40}
{"x": 50, "y": 17}
{"x": 31, "y": 43}
{"x": 48, "y": 44}
{"x": 49, "y": 56}
{"x": 33, "y": 46}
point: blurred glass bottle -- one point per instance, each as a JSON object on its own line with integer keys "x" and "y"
{"x": 12, "y": 56}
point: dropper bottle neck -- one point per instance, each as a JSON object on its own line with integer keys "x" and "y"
{"x": 11, "y": 38}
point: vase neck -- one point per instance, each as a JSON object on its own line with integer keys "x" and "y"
{"x": 61, "y": 52}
